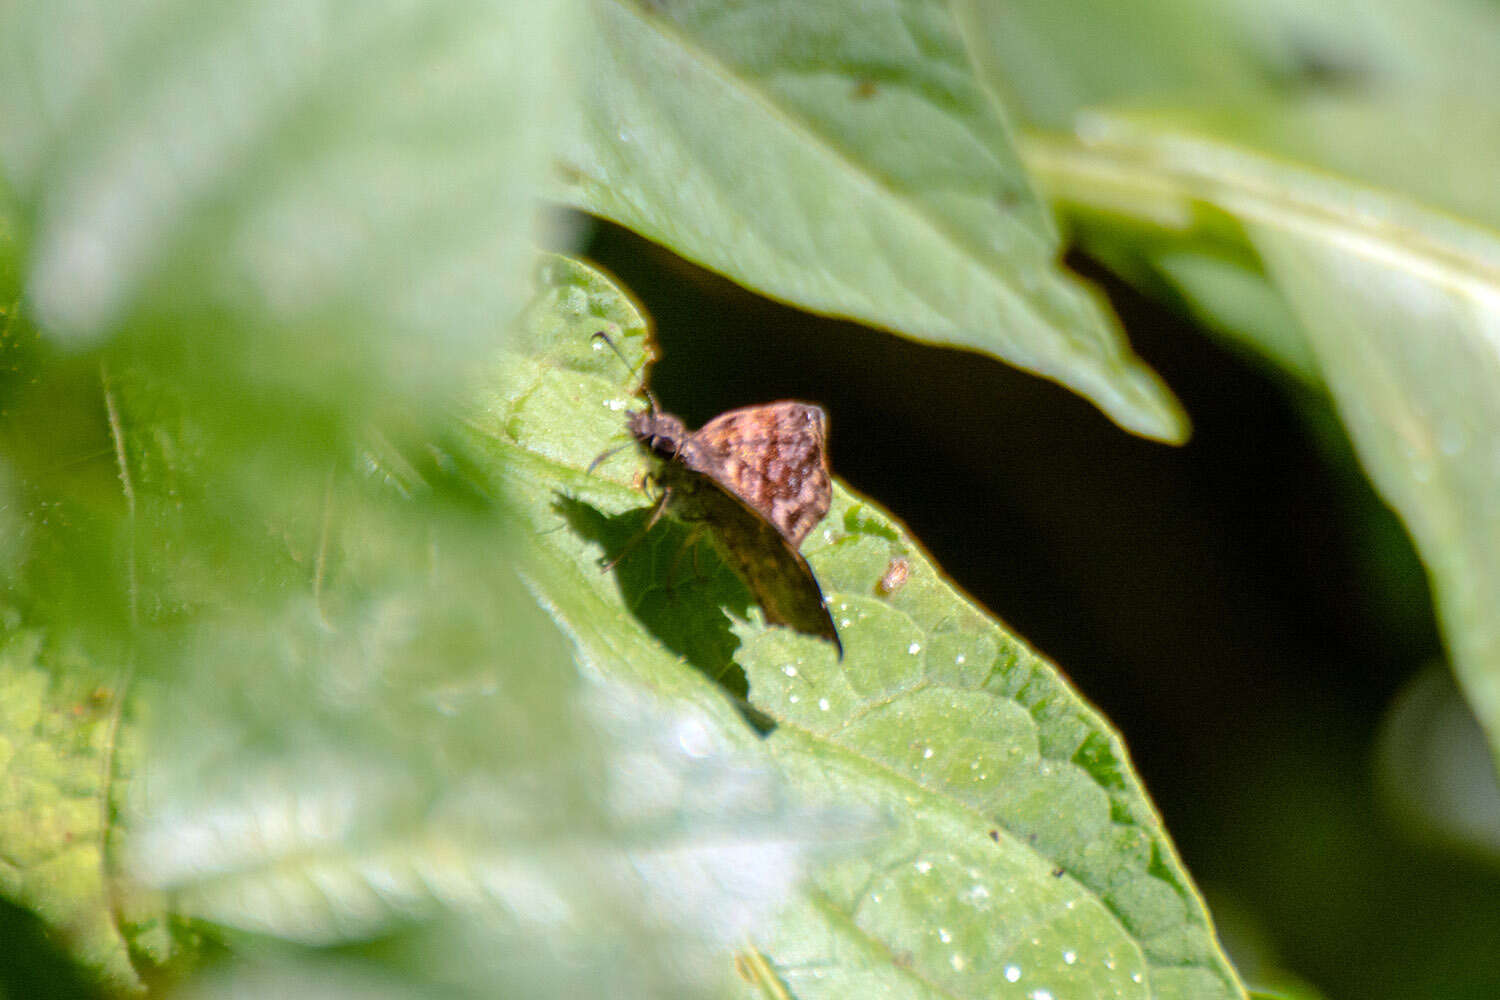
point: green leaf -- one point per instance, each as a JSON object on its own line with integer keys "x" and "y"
{"x": 1051, "y": 58}
{"x": 335, "y": 198}
{"x": 1236, "y": 301}
{"x": 65, "y": 753}
{"x": 361, "y": 730}
{"x": 1433, "y": 768}
{"x": 845, "y": 158}
{"x": 1398, "y": 305}
{"x": 416, "y": 769}
{"x": 1020, "y": 855}
{"x": 365, "y": 734}
{"x": 1389, "y": 47}
{"x": 1295, "y": 993}
{"x": 256, "y": 236}
{"x": 1449, "y": 140}
{"x": 1055, "y": 59}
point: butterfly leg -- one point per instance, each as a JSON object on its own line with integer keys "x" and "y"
{"x": 640, "y": 536}
{"x": 697, "y": 568}
{"x": 691, "y": 542}
{"x": 603, "y": 455}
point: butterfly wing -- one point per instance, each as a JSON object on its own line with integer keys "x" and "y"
{"x": 775, "y": 573}
{"x": 773, "y": 458}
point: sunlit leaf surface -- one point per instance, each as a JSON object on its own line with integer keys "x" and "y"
{"x": 271, "y": 666}
{"x": 63, "y": 757}
{"x": 845, "y": 158}
{"x": 1020, "y": 853}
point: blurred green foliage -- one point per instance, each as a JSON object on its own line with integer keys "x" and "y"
{"x": 311, "y": 684}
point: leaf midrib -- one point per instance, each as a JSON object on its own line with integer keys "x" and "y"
{"x": 1258, "y": 200}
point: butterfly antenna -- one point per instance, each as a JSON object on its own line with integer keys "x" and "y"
{"x": 650, "y": 399}
{"x": 601, "y": 335}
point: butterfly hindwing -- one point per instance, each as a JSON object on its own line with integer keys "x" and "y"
{"x": 776, "y": 574}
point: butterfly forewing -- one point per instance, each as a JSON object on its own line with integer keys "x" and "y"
{"x": 774, "y": 458}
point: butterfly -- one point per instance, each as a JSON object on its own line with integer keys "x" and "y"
{"x": 758, "y": 478}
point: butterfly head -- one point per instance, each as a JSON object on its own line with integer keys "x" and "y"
{"x": 661, "y": 432}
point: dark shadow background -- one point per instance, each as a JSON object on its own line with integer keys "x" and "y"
{"x": 36, "y": 965}
{"x": 1242, "y": 608}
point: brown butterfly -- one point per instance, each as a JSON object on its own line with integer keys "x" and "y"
{"x": 758, "y": 478}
